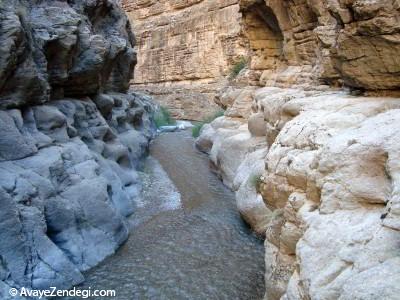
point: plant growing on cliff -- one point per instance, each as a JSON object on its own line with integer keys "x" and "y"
{"x": 238, "y": 67}
{"x": 162, "y": 117}
{"x": 199, "y": 125}
{"x": 255, "y": 181}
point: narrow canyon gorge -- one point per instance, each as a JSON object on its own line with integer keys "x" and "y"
{"x": 289, "y": 189}
{"x": 309, "y": 141}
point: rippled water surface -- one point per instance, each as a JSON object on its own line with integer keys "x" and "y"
{"x": 187, "y": 240}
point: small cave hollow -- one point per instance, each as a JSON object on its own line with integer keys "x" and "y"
{"x": 264, "y": 36}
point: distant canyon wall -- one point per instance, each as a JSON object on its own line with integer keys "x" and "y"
{"x": 309, "y": 140}
{"x": 187, "y": 49}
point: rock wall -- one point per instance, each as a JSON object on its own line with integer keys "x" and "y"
{"x": 313, "y": 156}
{"x": 315, "y": 173}
{"x": 346, "y": 42}
{"x": 187, "y": 49}
{"x": 71, "y": 139}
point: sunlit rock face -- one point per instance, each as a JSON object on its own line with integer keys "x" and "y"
{"x": 312, "y": 156}
{"x": 71, "y": 139}
{"x": 320, "y": 183}
{"x": 186, "y": 48}
{"x": 331, "y": 180}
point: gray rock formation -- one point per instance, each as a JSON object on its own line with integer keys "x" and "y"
{"x": 70, "y": 139}
{"x": 55, "y": 49}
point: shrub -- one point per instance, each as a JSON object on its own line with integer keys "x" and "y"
{"x": 237, "y": 67}
{"x": 162, "y": 117}
{"x": 196, "y": 129}
{"x": 199, "y": 125}
{"x": 255, "y": 181}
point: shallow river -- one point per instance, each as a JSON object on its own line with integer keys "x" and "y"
{"x": 187, "y": 240}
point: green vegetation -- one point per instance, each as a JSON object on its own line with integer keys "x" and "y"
{"x": 277, "y": 214}
{"x": 196, "y": 129}
{"x": 162, "y": 117}
{"x": 199, "y": 125}
{"x": 237, "y": 67}
{"x": 255, "y": 181}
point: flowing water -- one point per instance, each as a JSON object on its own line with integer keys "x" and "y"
{"x": 187, "y": 239}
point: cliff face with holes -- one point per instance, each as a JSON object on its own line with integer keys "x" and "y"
{"x": 71, "y": 139}
{"x": 313, "y": 153}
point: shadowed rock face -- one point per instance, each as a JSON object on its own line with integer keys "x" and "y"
{"x": 53, "y": 49}
{"x": 70, "y": 139}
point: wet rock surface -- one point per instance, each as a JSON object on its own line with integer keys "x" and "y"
{"x": 68, "y": 186}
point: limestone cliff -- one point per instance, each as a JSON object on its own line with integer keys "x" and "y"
{"x": 188, "y": 48}
{"x": 313, "y": 155}
{"x": 185, "y": 50}
{"x": 71, "y": 139}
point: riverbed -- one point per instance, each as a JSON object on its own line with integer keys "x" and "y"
{"x": 187, "y": 239}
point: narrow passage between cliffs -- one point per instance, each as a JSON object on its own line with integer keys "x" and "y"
{"x": 187, "y": 239}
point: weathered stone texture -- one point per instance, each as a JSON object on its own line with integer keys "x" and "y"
{"x": 70, "y": 142}
{"x": 188, "y": 42}
{"x": 67, "y": 182}
{"x": 62, "y": 50}
{"x": 326, "y": 161}
{"x": 314, "y": 169}
{"x": 326, "y": 199}
{"x": 302, "y": 43}
{"x": 185, "y": 45}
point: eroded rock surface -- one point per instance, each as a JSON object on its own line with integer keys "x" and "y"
{"x": 329, "y": 175}
{"x": 326, "y": 183}
{"x": 327, "y": 190}
{"x": 187, "y": 49}
{"x": 71, "y": 139}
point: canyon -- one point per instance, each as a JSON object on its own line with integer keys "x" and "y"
{"x": 308, "y": 148}
{"x": 309, "y": 141}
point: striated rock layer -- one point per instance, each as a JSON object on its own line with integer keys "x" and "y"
{"x": 187, "y": 48}
{"x": 71, "y": 139}
{"x": 315, "y": 166}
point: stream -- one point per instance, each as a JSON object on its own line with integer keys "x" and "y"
{"x": 187, "y": 239}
